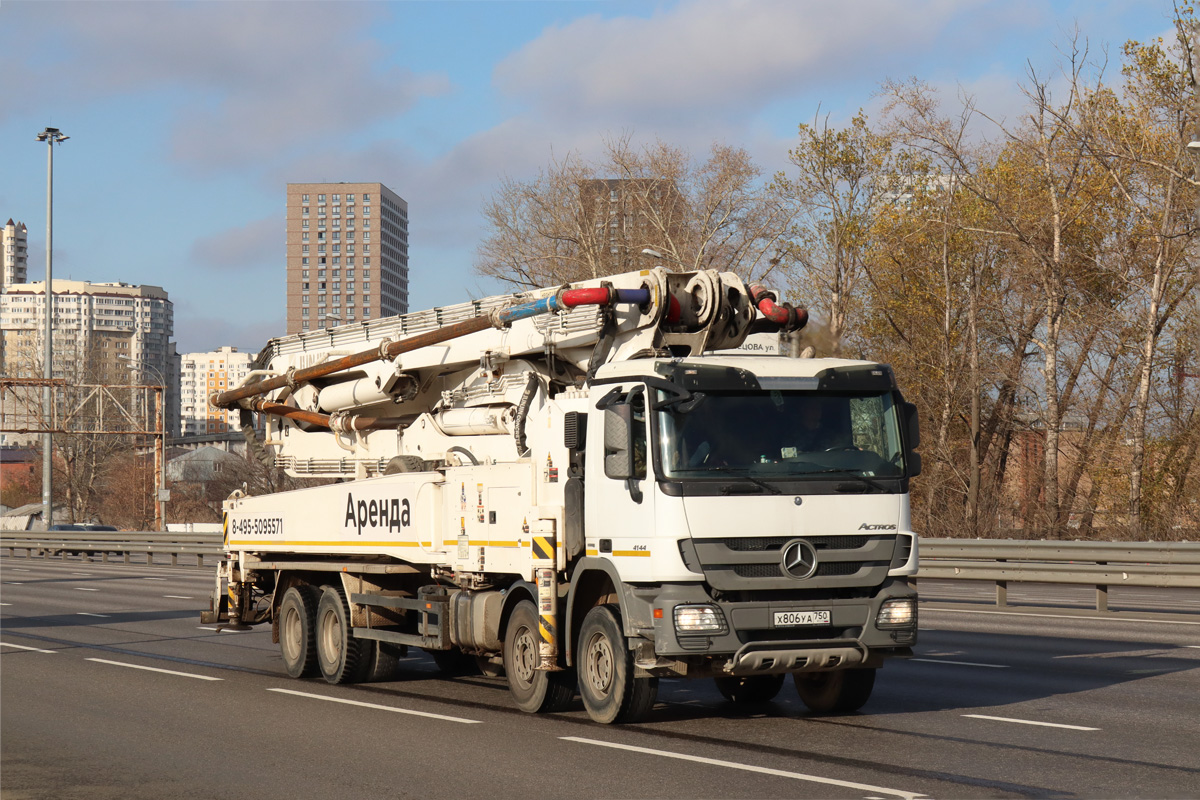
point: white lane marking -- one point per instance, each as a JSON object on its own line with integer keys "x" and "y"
{"x": 87, "y": 614}
{"x": 378, "y": 707}
{"x": 85, "y": 589}
{"x": 155, "y": 669}
{"x": 20, "y": 569}
{"x": 1193, "y": 646}
{"x": 1031, "y": 722}
{"x": 22, "y": 647}
{"x": 1076, "y": 617}
{"x": 220, "y": 630}
{"x": 154, "y": 579}
{"x": 5, "y": 604}
{"x": 959, "y": 663}
{"x": 178, "y": 596}
{"x": 85, "y": 574}
{"x": 13, "y": 583}
{"x": 800, "y": 776}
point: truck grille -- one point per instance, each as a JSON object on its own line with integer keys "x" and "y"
{"x": 754, "y": 562}
{"x": 775, "y": 571}
{"x": 757, "y": 544}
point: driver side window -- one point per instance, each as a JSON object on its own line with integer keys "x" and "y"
{"x": 637, "y": 433}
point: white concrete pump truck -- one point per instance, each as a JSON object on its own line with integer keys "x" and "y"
{"x": 582, "y": 488}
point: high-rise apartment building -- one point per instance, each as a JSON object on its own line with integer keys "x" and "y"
{"x": 201, "y": 374}
{"x": 15, "y": 247}
{"x": 101, "y": 331}
{"x": 347, "y": 254}
{"x": 628, "y": 215}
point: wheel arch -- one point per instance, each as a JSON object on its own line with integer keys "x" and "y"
{"x": 595, "y": 582}
{"x": 521, "y": 590}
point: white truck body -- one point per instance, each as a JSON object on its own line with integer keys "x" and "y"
{"x": 553, "y": 466}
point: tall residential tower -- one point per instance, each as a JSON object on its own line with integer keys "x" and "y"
{"x": 347, "y": 254}
{"x": 15, "y": 247}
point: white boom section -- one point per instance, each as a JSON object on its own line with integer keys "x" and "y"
{"x": 466, "y": 393}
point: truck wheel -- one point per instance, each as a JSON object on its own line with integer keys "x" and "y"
{"x": 837, "y": 692}
{"x": 610, "y": 691}
{"x": 750, "y": 689}
{"x": 534, "y": 690}
{"x": 339, "y": 654}
{"x": 297, "y": 638}
{"x": 380, "y": 660}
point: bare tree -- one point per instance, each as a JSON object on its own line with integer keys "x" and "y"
{"x": 581, "y": 220}
{"x": 841, "y": 181}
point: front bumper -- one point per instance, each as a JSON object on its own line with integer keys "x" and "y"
{"x": 752, "y": 644}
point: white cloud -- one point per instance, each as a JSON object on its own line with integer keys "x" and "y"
{"x": 196, "y": 332}
{"x": 244, "y": 81}
{"x": 701, "y": 57}
{"x": 242, "y": 248}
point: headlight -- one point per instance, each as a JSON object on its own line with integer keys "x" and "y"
{"x": 900, "y": 612}
{"x": 699, "y": 619}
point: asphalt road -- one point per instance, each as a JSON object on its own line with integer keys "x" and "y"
{"x": 111, "y": 688}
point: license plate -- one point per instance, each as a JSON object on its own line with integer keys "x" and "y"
{"x": 787, "y": 619}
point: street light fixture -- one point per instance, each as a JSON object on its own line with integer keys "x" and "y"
{"x": 51, "y": 136}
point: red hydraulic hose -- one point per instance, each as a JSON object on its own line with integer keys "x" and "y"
{"x": 598, "y": 296}
{"x": 785, "y": 315}
{"x": 674, "y": 310}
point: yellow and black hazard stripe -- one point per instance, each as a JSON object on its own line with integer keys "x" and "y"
{"x": 225, "y": 526}
{"x": 546, "y": 628}
{"x": 543, "y": 548}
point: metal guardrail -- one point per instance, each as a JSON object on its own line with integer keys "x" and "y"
{"x": 49, "y": 544}
{"x": 1098, "y": 564}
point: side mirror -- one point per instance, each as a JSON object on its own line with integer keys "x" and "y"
{"x": 912, "y": 435}
{"x": 912, "y": 425}
{"x": 618, "y": 449}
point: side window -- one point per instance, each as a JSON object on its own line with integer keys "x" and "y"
{"x": 637, "y": 400}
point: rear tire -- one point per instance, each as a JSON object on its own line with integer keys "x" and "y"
{"x": 609, "y": 690}
{"x": 534, "y": 690}
{"x": 297, "y": 634}
{"x": 339, "y": 654}
{"x": 380, "y": 660}
{"x": 839, "y": 692}
{"x": 750, "y": 689}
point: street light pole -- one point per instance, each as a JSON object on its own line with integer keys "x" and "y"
{"x": 51, "y": 136}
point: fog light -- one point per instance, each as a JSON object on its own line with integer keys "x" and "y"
{"x": 699, "y": 619}
{"x": 900, "y": 612}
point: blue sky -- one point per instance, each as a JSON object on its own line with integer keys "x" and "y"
{"x": 188, "y": 119}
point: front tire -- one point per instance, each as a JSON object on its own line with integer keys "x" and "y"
{"x": 839, "y": 692}
{"x": 607, "y": 685}
{"x": 339, "y": 654}
{"x": 750, "y": 689}
{"x": 297, "y": 631}
{"x": 534, "y": 690}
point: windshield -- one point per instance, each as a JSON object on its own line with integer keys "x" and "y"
{"x": 778, "y": 434}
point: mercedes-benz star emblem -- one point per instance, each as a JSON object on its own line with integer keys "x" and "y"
{"x": 799, "y": 559}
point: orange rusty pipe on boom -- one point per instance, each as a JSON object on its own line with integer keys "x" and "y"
{"x": 345, "y": 423}
{"x": 229, "y": 399}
